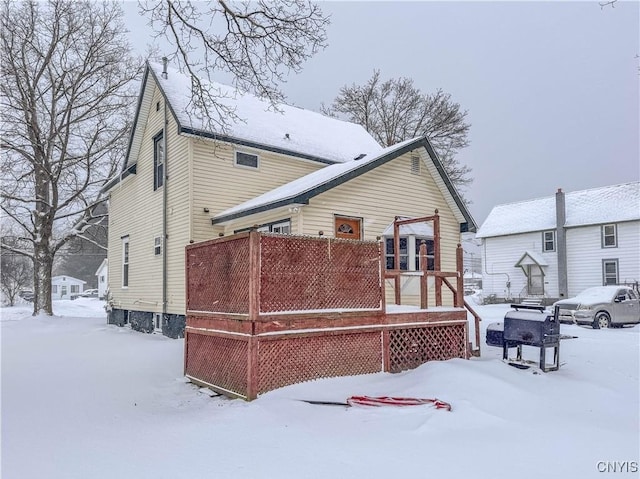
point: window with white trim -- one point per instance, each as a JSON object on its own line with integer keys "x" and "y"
{"x": 609, "y": 236}
{"x": 157, "y": 245}
{"x": 125, "y": 262}
{"x": 280, "y": 227}
{"x": 409, "y": 248}
{"x": 609, "y": 271}
{"x": 158, "y": 160}
{"x": 548, "y": 241}
{"x": 54, "y": 289}
{"x": 75, "y": 288}
{"x": 246, "y": 160}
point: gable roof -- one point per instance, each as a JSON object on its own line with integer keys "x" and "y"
{"x": 528, "y": 258}
{"x": 301, "y": 190}
{"x": 608, "y": 204}
{"x": 291, "y": 130}
{"x": 66, "y": 278}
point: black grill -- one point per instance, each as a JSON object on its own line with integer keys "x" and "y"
{"x": 528, "y": 325}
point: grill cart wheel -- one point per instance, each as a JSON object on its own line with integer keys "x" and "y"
{"x": 602, "y": 320}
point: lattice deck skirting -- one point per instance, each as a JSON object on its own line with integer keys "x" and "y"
{"x": 245, "y": 366}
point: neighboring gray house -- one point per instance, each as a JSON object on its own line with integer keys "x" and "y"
{"x": 555, "y": 247}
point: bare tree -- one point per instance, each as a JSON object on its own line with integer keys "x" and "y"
{"x": 259, "y": 43}
{"x": 395, "y": 110}
{"x": 66, "y": 93}
{"x": 16, "y": 272}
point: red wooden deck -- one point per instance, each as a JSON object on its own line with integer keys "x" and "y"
{"x": 265, "y": 311}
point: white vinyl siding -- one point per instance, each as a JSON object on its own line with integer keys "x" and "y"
{"x": 501, "y": 276}
{"x": 585, "y": 255}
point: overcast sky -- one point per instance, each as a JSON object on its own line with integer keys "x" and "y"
{"x": 551, "y": 87}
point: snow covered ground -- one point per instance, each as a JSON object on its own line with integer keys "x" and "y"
{"x": 83, "y": 399}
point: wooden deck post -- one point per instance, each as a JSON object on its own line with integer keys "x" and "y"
{"x": 460, "y": 286}
{"x": 254, "y": 275}
{"x": 383, "y": 266}
{"x": 436, "y": 257}
{"x": 424, "y": 264}
{"x": 254, "y": 312}
{"x": 252, "y": 368}
{"x": 396, "y": 259}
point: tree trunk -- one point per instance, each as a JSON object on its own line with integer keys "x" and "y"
{"x": 42, "y": 267}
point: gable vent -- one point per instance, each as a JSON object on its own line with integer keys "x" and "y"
{"x": 415, "y": 165}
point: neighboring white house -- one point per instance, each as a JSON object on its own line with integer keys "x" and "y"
{"x": 555, "y": 247}
{"x": 63, "y": 287}
{"x": 101, "y": 274}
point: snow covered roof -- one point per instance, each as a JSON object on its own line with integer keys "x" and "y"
{"x": 302, "y": 189}
{"x": 608, "y": 204}
{"x": 529, "y": 257}
{"x": 291, "y": 130}
{"x": 66, "y": 278}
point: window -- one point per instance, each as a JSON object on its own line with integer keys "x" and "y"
{"x": 246, "y": 159}
{"x": 75, "y": 288}
{"x": 102, "y": 279}
{"x": 410, "y": 248}
{"x": 282, "y": 227}
{"x": 348, "y": 228}
{"x": 158, "y": 161}
{"x": 548, "y": 241}
{"x": 157, "y": 246}
{"x": 609, "y": 236}
{"x": 54, "y": 289}
{"x": 64, "y": 290}
{"x": 609, "y": 271}
{"x": 125, "y": 262}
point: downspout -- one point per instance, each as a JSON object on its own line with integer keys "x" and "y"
{"x": 561, "y": 238}
{"x": 164, "y": 203}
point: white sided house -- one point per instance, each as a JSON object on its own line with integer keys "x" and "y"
{"x": 102, "y": 273}
{"x": 64, "y": 287}
{"x": 291, "y": 171}
{"x": 555, "y": 247}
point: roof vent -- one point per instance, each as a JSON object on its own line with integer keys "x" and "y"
{"x": 286, "y": 135}
{"x": 164, "y": 68}
{"x": 360, "y": 156}
{"x": 415, "y": 165}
